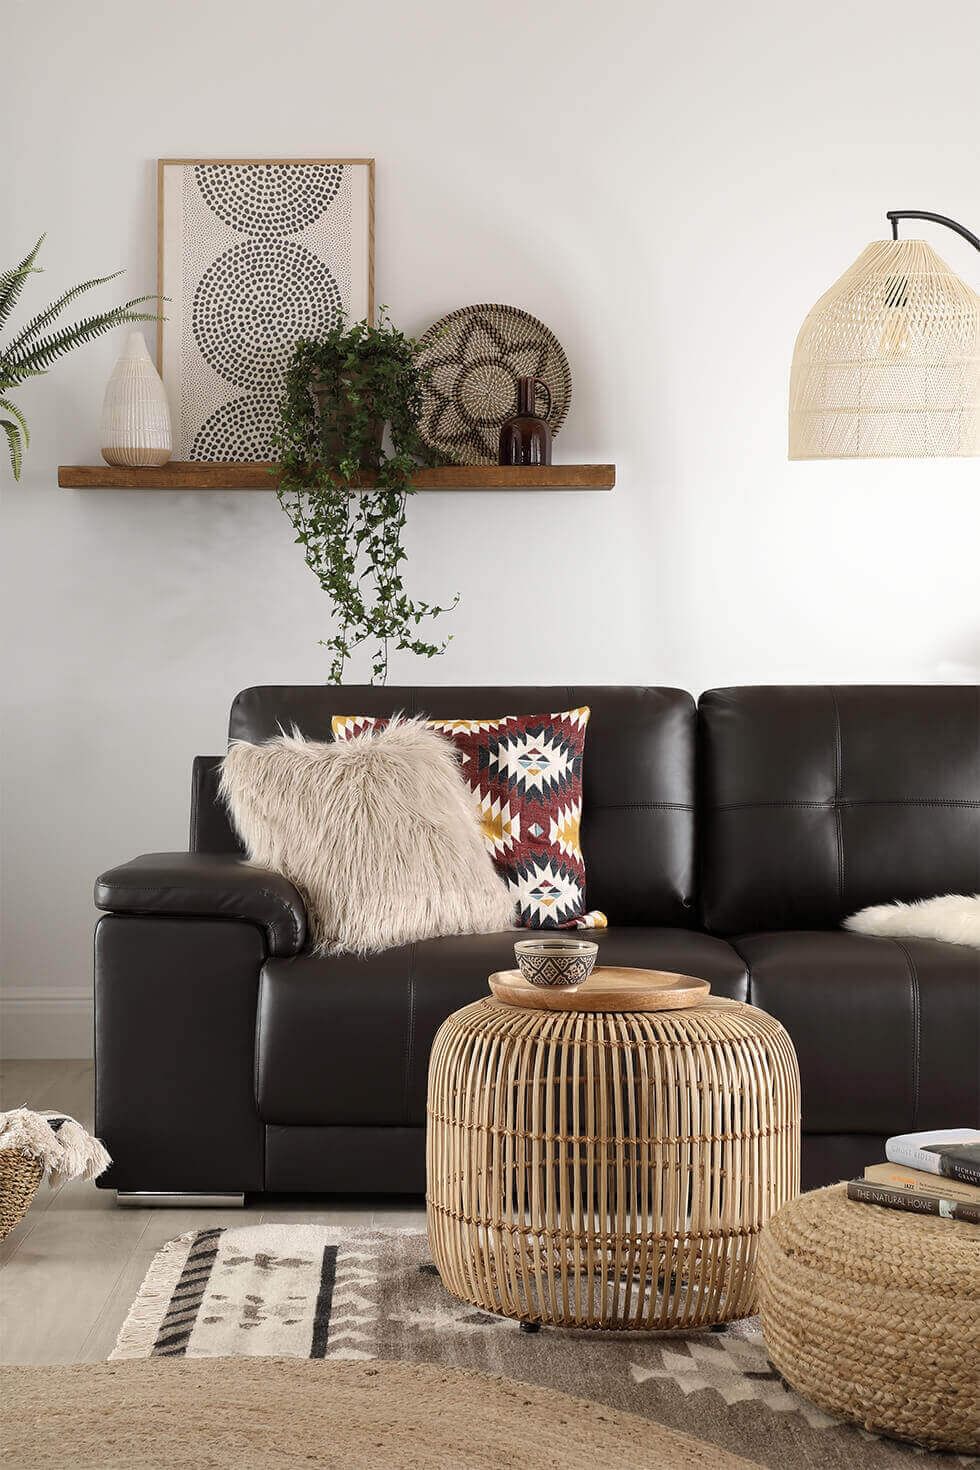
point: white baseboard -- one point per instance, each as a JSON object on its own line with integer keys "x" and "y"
{"x": 46, "y": 1022}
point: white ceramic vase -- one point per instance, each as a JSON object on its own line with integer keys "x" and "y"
{"x": 135, "y": 413}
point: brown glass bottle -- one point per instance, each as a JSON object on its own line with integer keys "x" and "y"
{"x": 526, "y": 439}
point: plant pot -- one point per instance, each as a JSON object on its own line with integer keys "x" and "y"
{"x": 333, "y": 419}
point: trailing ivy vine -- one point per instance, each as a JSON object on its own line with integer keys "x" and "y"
{"x": 340, "y": 391}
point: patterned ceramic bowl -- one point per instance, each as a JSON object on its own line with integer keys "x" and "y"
{"x": 558, "y": 963}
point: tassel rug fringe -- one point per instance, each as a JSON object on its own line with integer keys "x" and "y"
{"x": 139, "y": 1331}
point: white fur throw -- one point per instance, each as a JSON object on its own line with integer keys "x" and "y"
{"x": 379, "y": 834}
{"x": 67, "y": 1150}
{"x": 954, "y": 918}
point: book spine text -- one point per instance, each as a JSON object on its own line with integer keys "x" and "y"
{"x": 867, "y": 1193}
{"x": 961, "y": 1169}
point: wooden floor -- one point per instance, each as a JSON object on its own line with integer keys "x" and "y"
{"x": 71, "y": 1269}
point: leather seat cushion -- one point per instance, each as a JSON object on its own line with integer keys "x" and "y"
{"x": 886, "y": 1031}
{"x": 343, "y": 1040}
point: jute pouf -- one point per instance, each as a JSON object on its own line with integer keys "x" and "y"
{"x": 874, "y": 1314}
{"x": 609, "y": 1170}
{"x": 273, "y": 1413}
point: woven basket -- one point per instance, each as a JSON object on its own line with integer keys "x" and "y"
{"x": 874, "y": 1314}
{"x": 469, "y": 364}
{"x": 20, "y": 1176}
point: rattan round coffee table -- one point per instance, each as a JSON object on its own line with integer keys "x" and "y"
{"x": 608, "y": 1169}
{"x": 874, "y": 1314}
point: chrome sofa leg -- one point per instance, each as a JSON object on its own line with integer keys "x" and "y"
{"x": 153, "y": 1199}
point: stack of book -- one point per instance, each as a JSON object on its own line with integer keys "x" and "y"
{"x": 934, "y": 1173}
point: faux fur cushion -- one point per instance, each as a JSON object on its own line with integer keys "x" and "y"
{"x": 379, "y": 835}
{"x": 954, "y": 918}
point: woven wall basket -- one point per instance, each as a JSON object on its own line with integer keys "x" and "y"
{"x": 470, "y": 362}
{"x": 887, "y": 364}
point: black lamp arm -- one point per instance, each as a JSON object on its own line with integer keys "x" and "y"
{"x": 937, "y": 219}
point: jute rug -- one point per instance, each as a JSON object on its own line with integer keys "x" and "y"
{"x": 283, "y": 1413}
{"x": 307, "y": 1291}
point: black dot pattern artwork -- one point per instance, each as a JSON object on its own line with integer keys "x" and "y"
{"x": 268, "y": 200}
{"x": 241, "y": 429}
{"x": 254, "y": 302}
{"x": 261, "y": 255}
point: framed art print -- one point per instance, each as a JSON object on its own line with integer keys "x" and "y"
{"x": 253, "y": 254}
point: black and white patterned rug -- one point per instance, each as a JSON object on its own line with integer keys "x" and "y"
{"x": 310, "y": 1291}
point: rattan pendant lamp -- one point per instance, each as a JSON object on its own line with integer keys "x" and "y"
{"x": 887, "y": 364}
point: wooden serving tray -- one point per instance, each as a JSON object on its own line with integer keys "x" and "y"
{"x": 608, "y": 988}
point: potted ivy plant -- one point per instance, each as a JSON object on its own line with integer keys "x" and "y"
{"x": 345, "y": 491}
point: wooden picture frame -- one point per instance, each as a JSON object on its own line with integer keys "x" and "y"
{"x": 249, "y": 263}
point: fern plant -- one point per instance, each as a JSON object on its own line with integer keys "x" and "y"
{"x": 34, "y": 349}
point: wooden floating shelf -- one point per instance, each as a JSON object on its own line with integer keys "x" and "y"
{"x": 193, "y": 475}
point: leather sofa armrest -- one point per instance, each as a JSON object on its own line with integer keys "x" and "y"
{"x": 207, "y": 885}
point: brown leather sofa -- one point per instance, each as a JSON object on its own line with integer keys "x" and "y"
{"x": 727, "y": 840}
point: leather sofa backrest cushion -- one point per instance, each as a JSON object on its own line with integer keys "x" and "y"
{"x": 817, "y": 801}
{"x": 211, "y": 828}
{"x": 638, "y": 778}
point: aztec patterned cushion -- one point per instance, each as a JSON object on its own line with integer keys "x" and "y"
{"x": 525, "y": 773}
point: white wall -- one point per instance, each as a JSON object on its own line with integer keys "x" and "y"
{"x": 669, "y": 186}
